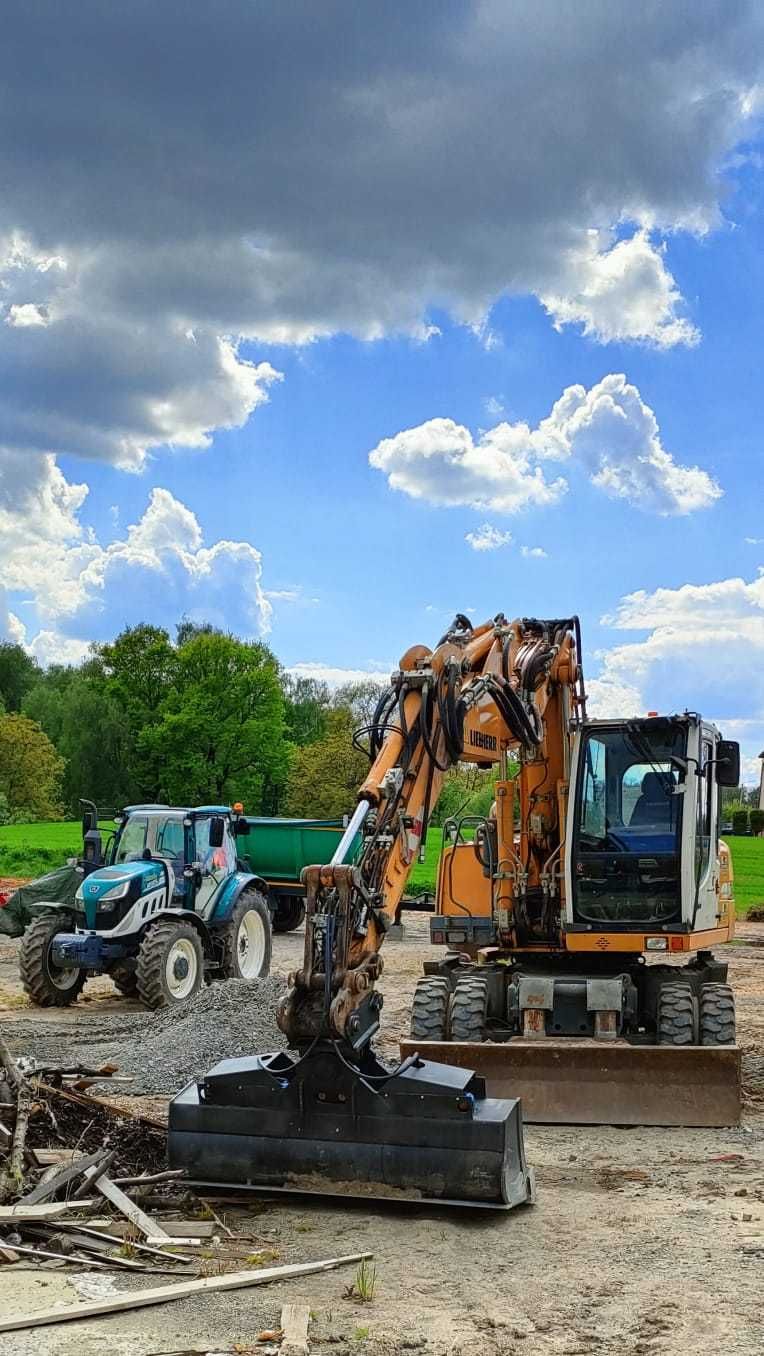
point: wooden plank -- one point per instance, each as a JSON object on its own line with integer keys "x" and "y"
{"x": 139, "y": 1299}
{"x": 150, "y": 1227}
{"x": 106, "y": 1240}
{"x": 181, "y": 1228}
{"x": 62, "y": 1178}
{"x": 44, "y": 1158}
{"x": 45, "y": 1210}
{"x": 294, "y": 1330}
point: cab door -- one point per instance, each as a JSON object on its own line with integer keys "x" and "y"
{"x": 216, "y": 864}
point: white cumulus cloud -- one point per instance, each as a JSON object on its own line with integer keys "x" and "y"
{"x": 621, "y": 293}
{"x": 607, "y": 430}
{"x": 702, "y": 648}
{"x": 488, "y": 538}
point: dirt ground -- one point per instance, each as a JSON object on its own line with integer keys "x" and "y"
{"x": 641, "y": 1241}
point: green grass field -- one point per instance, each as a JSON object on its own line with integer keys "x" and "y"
{"x": 33, "y": 849}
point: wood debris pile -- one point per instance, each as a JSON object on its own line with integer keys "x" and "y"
{"x": 84, "y": 1186}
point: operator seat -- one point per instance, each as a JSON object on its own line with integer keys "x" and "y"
{"x": 655, "y": 807}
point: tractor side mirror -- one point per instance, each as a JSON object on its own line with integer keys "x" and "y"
{"x": 728, "y": 762}
{"x": 217, "y": 831}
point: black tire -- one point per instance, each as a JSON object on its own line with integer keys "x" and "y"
{"x": 45, "y": 984}
{"x": 124, "y": 978}
{"x": 290, "y": 912}
{"x": 429, "y": 1012}
{"x": 252, "y": 906}
{"x": 677, "y": 1018}
{"x": 717, "y": 1015}
{"x": 165, "y": 946}
{"x": 469, "y": 1009}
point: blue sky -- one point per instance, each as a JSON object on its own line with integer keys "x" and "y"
{"x": 217, "y": 305}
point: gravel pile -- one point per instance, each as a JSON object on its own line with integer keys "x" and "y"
{"x": 163, "y": 1050}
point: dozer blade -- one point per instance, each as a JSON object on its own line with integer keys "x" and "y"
{"x": 321, "y": 1124}
{"x": 577, "y": 1082}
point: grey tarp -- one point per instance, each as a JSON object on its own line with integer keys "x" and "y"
{"x": 58, "y": 887}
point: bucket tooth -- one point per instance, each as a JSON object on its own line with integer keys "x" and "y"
{"x": 324, "y": 1124}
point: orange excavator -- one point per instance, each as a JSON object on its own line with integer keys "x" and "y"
{"x": 578, "y": 917}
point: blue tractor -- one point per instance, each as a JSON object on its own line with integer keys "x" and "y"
{"x": 162, "y": 908}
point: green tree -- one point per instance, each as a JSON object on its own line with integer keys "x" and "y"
{"x": 18, "y": 671}
{"x": 139, "y": 668}
{"x": 30, "y": 769}
{"x": 324, "y": 777}
{"x": 360, "y": 699}
{"x": 220, "y": 732}
{"x": 306, "y": 704}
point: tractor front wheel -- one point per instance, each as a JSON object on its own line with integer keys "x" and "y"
{"x": 170, "y": 965}
{"x": 48, "y": 985}
{"x": 247, "y": 940}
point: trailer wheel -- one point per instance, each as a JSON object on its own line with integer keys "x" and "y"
{"x": 469, "y": 1009}
{"x": 290, "y": 912}
{"x": 717, "y": 1015}
{"x": 124, "y": 978}
{"x": 429, "y": 1012}
{"x": 677, "y": 1014}
{"x": 46, "y": 984}
{"x": 170, "y": 965}
{"x": 247, "y": 938}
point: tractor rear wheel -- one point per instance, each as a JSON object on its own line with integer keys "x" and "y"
{"x": 46, "y": 984}
{"x": 677, "y": 1022}
{"x": 469, "y": 1009}
{"x": 717, "y": 1015}
{"x": 247, "y": 940}
{"x": 124, "y": 978}
{"x": 429, "y": 1012}
{"x": 290, "y": 911}
{"x": 170, "y": 965}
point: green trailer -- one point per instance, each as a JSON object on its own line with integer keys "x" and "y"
{"x": 278, "y": 849}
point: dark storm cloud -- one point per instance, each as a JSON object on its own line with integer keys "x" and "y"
{"x": 176, "y": 172}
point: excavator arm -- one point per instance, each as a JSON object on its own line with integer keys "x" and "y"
{"x": 481, "y": 693}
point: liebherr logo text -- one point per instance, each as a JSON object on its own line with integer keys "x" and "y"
{"x": 478, "y": 740}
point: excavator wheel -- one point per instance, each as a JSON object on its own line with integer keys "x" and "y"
{"x": 469, "y": 1009}
{"x": 429, "y": 1014}
{"x": 717, "y": 1015}
{"x": 677, "y": 1014}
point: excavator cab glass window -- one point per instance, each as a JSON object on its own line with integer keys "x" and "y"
{"x": 627, "y": 831}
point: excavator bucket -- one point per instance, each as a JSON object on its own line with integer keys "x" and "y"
{"x": 588, "y": 1082}
{"x": 321, "y": 1124}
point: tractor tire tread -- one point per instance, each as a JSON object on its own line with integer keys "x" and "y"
{"x": 34, "y": 978}
{"x": 243, "y": 904}
{"x": 149, "y": 969}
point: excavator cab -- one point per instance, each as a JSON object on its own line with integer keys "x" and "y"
{"x": 643, "y": 854}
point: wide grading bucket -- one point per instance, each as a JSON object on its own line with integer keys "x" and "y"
{"x": 574, "y": 1082}
{"x": 323, "y": 1125}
